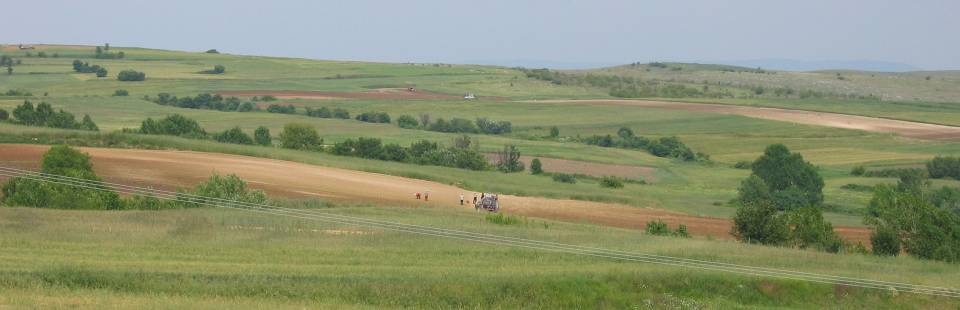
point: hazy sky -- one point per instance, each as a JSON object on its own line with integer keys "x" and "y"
{"x": 923, "y": 33}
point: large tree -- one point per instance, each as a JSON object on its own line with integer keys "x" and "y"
{"x": 791, "y": 180}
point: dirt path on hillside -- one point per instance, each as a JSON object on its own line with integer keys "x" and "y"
{"x": 376, "y": 94}
{"x": 873, "y": 124}
{"x": 172, "y": 169}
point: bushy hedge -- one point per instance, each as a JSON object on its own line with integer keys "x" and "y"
{"x": 322, "y": 112}
{"x": 282, "y": 109}
{"x": 374, "y": 117}
{"x": 407, "y": 122}
{"x": 234, "y": 135}
{"x": 670, "y": 147}
{"x": 206, "y": 102}
{"x": 611, "y": 182}
{"x": 422, "y": 152}
{"x": 300, "y": 136}
{"x": 44, "y": 115}
{"x": 131, "y": 76}
{"x": 564, "y": 178}
{"x": 461, "y": 125}
{"x": 174, "y": 125}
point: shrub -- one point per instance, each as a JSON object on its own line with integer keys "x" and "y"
{"x": 454, "y": 157}
{"x": 229, "y": 187}
{"x": 283, "y": 109}
{"x": 174, "y": 125}
{"x": 407, "y": 121}
{"x": 858, "y": 171}
{"x": 120, "y": 93}
{"x": 944, "y": 167}
{"x": 811, "y": 230}
{"x": 65, "y": 161}
{"x": 262, "y": 136}
{"x": 759, "y": 222}
{"x": 374, "y": 117}
{"x": 885, "y": 241}
{"x": 341, "y": 113}
{"x": 219, "y": 69}
{"x": 322, "y": 112}
{"x": 554, "y": 132}
{"x": 924, "y": 230}
{"x": 500, "y": 219}
{"x": 493, "y": 127}
{"x": 268, "y": 98}
{"x": 682, "y": 231}
{"x": 234, "y": 135}
{"x": 535, "y": 166}
{"x": 564, "y": 178}
{"x": 88, "y": 123}
{"x": 658, "y": 228}
{"x": 4, "y": 115}
{"x": 131, "y": 76}
{"x": 300, "y": 137}
{"x": 897, "y": 173}
{"x": 102, "y": 72}
{"x": 508, "y": 159}
{"x": 212, "y": 51}
{"x": 611, "y": 182}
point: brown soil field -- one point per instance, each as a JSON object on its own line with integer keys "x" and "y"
{"x": 172, "y": 169}
{"x": 377, "y": 94}
{"x": 15, "y": 47}
{"x": 588, "y": 168}
{"x": 873, "y": 124}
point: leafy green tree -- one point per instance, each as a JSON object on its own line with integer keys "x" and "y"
{"x": 299, "y": 136}
{"x": 262, "y": 136}
{"x": 535, "y": 166}
{"x": 121, "y": 93}
{"x": 811, "y": 230}
{"x": 219, "y": 69}
{"x": 782, "y": 170}
{"x": 229, "y": 187}
{"x": 102, "y": 72}
{"x": 760, "y": 222}
{"x": 625, "y": 133}
{"x": 88, "y": 123}
{"x": 554, "y": 132}
{"x": 924, "y": 230}
{"x": 885, "y": 241}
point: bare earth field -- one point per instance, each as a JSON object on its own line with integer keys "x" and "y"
{"x": 172, "y": 169}
{"x": 377, "y": 94}
{"x": 872, "y": 124}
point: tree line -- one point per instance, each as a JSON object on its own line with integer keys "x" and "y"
{"x": 670, "y": 147}
{"x": 206, "y": 102}
{"x": 43, "y": 115}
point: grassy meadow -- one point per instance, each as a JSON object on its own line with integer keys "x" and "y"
{"x": 213, "y": 258}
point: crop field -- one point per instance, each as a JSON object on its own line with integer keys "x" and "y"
{"x": 215, "y": 258}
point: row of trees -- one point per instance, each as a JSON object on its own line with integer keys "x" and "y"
{"x": 282, "y": 109}
{"x": 206, "y": 102}
{"x": 84, "y": 67}
{"x": 374, "y": 117}
{"x": 44, "y": 115}
{"x": 455, "y": 125}
{"x": 663, "y": 147}
{"x": 105, "y": 53}
{"x": 131, "y": 76}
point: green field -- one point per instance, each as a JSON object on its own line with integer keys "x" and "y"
{"x": 219, "y": 258}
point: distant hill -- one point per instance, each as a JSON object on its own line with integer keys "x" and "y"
{"x": 816, "y": 65}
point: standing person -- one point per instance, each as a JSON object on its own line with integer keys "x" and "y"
{"x": 474, "y": 198}
{"x": 426, "y": 196}
{"x": 418, "y": 195}
{"x": 461, "y": 199}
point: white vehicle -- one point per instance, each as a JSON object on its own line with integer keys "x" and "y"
{"x": 469, "y": 96}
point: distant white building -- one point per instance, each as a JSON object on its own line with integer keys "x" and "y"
{"x": 469, "y": 96}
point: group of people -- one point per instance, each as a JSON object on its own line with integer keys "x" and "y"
{"x": 476, "y": 197}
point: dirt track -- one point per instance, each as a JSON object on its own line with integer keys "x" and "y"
{"x": 172, "y": 169}
{"x": 377, "y": 94}
{"x": 874, "y": 124}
